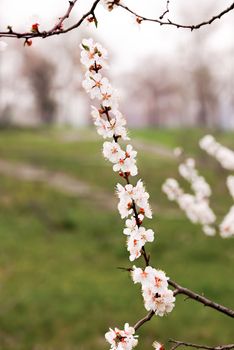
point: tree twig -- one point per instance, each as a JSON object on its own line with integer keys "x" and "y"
{"x": 190, "y": 294}
{"x": 166, "y": 11}
{"x": 55, "y": 30}
{"x": 178, "y": 25}
{"x": 59, "y": 25}
{"x": 201, "y": 299}
{"x": 199, "y": 346}
{"x": 144, "y": 320}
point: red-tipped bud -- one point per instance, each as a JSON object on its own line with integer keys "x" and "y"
{"x": 142, "y": 211}
{"x": 28, "y": 42}
{"x": 139, "y": 20}
{"x": 34, "y": 28}
{"x": 130, "y": 205}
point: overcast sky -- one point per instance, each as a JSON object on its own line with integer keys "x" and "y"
{"x": 117, "y": 29}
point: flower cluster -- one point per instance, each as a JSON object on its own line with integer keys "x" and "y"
{"x": 133, "y": 200}
{"x": 129, "y": 194}
{"x": 230, "y": 185}
{"x": 154, "y": 283}
{"x": 92, "y": 54}
{"x": 198, "y": 183}
{"x": 122, "y": 339}
{"x": 108, "y": 120}
{"x": 224, "y": 155}
{"x": 196, "y": 207}
{"x": 124, "y": 161}
{"x": 227, "y": 225}
{"x": 107, "y": 129}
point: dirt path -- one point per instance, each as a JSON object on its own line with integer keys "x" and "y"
{"x": 59, "y": 181}
{"x": 158, "y": 150}
{"x": 139, "y": 144}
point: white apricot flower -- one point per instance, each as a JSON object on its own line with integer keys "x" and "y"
{"x": 227, "y": 225}
{"x": 95, "y": 85}
{"x": 224, "y": 155}
{"x": 127, "y": 164}
{"x": 112, "y": 151}
{"x": 122, "y": 339}
{"x": 155, "y": 292}
{"x": 92, "y": 53}
{"x": 230, "y": 185}
{"x": 157, "y": 346}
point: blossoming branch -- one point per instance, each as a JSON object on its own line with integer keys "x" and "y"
{"x": 133, "y": 200}
{"x": 59, "y": 28}
{"x": 197, "y": 207}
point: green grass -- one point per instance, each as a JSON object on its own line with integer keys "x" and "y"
{"x": 186, "y": 138}
{"x": 60, "y": 286}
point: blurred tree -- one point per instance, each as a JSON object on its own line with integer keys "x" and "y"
{"x": 155, "y": 93}
{"x": 40, "y": 72}
{"x": 6, "y": 116}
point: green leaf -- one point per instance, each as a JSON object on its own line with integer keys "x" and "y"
{"x": 96, "y": 22}
{"x": 85, "y": 47}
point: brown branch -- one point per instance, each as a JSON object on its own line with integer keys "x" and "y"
{"x": 54, "y": 31}
{"x": 178, "y": 25}
{"x": 197, "y": 346}
{"x": 166, "y": 11}
{"x": 194, "y": 296}
{"x": 59, "y": 25}
{"x": 201, "y": 299}
{"x": 57, "y": 29}
{"x": 144, "y": 320}
{"x": 190, "y": 294}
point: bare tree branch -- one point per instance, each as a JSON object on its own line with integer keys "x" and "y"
{"x": 201, "y": 299}
{"x": 197, "y": 297}
{"x": 56, "y": 30}
{"x": 59, "y": 25}
{"x": 166, "y": 11}
{"x": 144, "y": 320}
{"x": 177, "y": 25}
{"x": 183, "y": 343}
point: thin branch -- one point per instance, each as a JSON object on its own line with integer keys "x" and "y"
{"x": 59, "y": 25}
{"x": 57, "y": 29}
{"x": 54, "y": 31}
{"x": 201, "y": 299}
{"x": 166, "y": 11}
{"x": 178, "y": 25}
{"x": 144, "y": 320}
{"x": 197, "y": 346}
{"x": 190, "y": 294}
